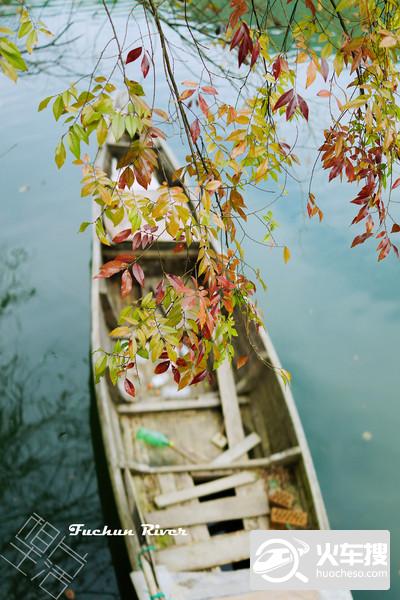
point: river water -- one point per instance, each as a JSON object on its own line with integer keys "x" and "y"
{"x": 332, "y": 313}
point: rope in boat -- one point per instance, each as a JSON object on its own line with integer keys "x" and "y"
{"x": 145, "y": 552}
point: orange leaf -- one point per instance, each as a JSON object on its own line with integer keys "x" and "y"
{"x": 241, "y": 361}
{"x": 186, "y": 94}
{"x": 396, "y": 184}
{"x": 209, "y": 89}
{"x": 324, "y": 94}
{"x": 286, "y": 254}
{"x": 311, "y": 73}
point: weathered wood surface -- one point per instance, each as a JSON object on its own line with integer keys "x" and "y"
{"x": 218, "y": 550}
{"x": 212, "y": 511}
{"x": 205, "y": 489}
{"x": 172, "y": 405}
{"x": 234, "y": 430}
{"x": 238, "y": 450}
{"x": 286, "y": 457}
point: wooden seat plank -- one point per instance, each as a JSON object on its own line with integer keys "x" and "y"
{"x": 213, "y": 511}
{"x": 217, "y": 551}
{"x": 238, "y": 450}
{"x": 234, "y": 428}
{"x": 205, "y": 489}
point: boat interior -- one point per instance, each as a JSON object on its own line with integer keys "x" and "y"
{"x": 242, "y": 416}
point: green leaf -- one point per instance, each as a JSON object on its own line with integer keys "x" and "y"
{"x": 102, "y": 131}
{"x": 12, "y": 55}
{"x": 25, "y": 29}
{"x": 74, "y": 143}
{"x": 84, "y": 226}
{"x": 118, "y": 126}
{"x": 135, "y": 87}
{"x": 344, "y": 4}
{"x": 60, "y": 154}
{"x": 8, "y": 70}
{"x": 100, "y": 367}
{"x": 131, "y": 125}
{"x": 101, "y": 234}
{"x": 58, "y": 107}
{"x": 81, "y": 133}
{"x": 44, "y": 103}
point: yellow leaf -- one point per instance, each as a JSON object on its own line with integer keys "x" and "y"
{"x": 120, "y": 332}
{"x": 311, "y": 73}
{"x": 286, "y": 254}
{"x": 388, "y": 41}
{"x": 357, "y": 102}
{"x": 286, "y": 376}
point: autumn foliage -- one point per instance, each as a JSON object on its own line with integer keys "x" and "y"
{"x": 345, "y": 53}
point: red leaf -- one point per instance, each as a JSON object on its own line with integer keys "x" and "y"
{"x": 291, "y": 107}
{"x": 160, "y": 291}
{"x": 199, "y": 377}
{"x": 133, "y": 55}
{"x": 126, "y": 283}
{"x": 138, "y": 274}
{"x": 209, "y": 89}
{"x": 122, "y": 236}
{"x": 277, "y": 67}
{"x": 310, "y": 5}
{"x": 145, "y": 66}
{"x": 360, "y": 239}
{"x": 255, "y": 53}
{"x": 137, "y": 240}
{"x": 395, "y": 228}
{"x": 241, "y": 361}
{"x": 177, "y": 375}
{"x": 284, "y": 99}
{"x": 303, "y": 107}
{"x": 203, "y": 105}
{"x": 237, "y": 36}
{"x": 162, "y": 367}
{"x": 129, "y": 387}
{"x": 111, "y": 268}
{"x": 396, "y": 184}
{"x": 324, "y": 68}
{"x": 195, "y": 130}
{"x": 128, "y": 258}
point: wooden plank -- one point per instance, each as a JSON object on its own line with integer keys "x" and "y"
{"x": 166, "y": 582}
{"x": 234, "y": 428}
{"x": 234, "y": 585}
{"x": 279, "y": 458}
{"x": 218, "y": 550}
{"x": 205, "y": 489}
{"x": 269, "y": 595}
{"x": 213, "y": 511}
{"x": 238, "y": 450}
{"x": 170, "y": 405}
{"x": 230, "y": 405}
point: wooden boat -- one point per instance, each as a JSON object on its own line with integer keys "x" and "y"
{"x": 218, "y": 498}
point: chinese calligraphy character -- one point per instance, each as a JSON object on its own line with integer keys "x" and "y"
{"x": 37, "y": 549}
